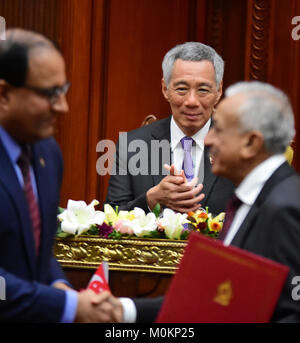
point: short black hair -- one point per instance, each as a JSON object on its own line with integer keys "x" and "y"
{"x": 14, "y": 54}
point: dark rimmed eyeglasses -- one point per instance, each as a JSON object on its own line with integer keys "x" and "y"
{"x": 52, "y": 93}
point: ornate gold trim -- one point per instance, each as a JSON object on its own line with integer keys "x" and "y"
{"x": 139, "y": 255}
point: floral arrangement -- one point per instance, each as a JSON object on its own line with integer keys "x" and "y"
{"x": 79, "y": 218}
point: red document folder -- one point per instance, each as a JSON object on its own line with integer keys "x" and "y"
{"x": 218, "y": 284}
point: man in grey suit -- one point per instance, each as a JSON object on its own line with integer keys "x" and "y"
{"x": 192, "y": 84}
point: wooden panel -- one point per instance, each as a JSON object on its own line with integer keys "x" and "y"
{"x": 272, "y": 55}
{"x": 34, "y": 15}
{"x": 140, "y": 32}
{"x": 74, "y": 36}
{"x": 69, "y": 23}
{"x": 284, "y": 66}
{"x": 225, "y": 32}
{"x": 98, "y": 81}
{"x": 257, "y": 40}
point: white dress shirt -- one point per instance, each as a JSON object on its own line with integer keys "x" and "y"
{"x": 177, "y": 153}
{"x": 249, "y": 189}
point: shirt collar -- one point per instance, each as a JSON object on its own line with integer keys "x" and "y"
{"x": 177, "y": 134}
{"x": 253, "y": 183}
{"x": 10, "y": 145}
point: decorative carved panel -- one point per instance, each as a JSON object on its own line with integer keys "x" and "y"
{"x": 258, "y": 27}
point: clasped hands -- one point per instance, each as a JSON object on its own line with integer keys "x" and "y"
{"x": 95, "y": 308}
{"x": 98, "y": 308}
{"x": 176, "y": 193}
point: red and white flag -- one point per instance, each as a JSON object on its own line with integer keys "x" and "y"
{"x": 99, "y": 281}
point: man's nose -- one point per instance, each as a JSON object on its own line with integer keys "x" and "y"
{"x": 192, "y": 99}
{"x": 61, "y": 104}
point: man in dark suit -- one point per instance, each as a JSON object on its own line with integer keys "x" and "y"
{"x": 253, "y": 126}
{"x": 32, "y": 93}
{"x": 192, "y": 84}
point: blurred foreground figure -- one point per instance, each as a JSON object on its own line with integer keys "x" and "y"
{"x": 33, "y": 85}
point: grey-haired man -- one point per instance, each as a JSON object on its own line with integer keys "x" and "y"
{"x": 192, "y": 84}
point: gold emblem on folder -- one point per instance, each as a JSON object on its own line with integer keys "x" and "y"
{"x": 224, "y": 293}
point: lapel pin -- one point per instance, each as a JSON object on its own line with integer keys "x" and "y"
{"x": 42, "y": 162}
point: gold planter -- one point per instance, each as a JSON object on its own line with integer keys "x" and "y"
{"x": 141, "y": 255}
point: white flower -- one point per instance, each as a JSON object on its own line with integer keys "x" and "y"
{"x": 79, "y": 217}
{"x": 172, "y": 223}
{"x": 111, "y": 216}
{"x": 141, "y": 224}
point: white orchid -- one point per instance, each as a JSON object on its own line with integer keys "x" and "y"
{"x": 140, "y": 224}
{"x": 172, "y": 223}
{"x": 79, "y": 217}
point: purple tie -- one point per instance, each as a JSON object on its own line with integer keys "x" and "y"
{"x": 231, "y": 209}
{"x": 187, "y": 164}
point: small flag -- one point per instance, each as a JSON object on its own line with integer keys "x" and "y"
{"x": 99, "y": 281}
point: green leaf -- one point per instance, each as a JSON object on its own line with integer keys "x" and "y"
{"x": 156, "y": 210}
{"x": 185, "y": 235}
{"x": 115, "y": 235}
{"x": 63, "y": 234}
{"x": 93, "y": 230}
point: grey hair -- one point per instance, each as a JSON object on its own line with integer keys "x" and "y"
{"x": 267, "y": 109}
{"x": 192, "y": 51}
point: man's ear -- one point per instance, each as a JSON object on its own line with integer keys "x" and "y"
{"x": 253, "y": 144}
{"x": 164, "y": 89}
{"x": 219, "y": 92}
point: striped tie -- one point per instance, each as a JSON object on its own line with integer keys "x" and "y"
{"x": 24, "y": 162}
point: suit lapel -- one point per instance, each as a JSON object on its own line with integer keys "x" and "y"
{"x": 283, "y": 172}
{"x": 161, "y": 132}
{"x": 10, "y": 182}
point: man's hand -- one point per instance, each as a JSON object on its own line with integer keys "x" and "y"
{"x": 98, "y": 308}
{"x": 176, "y": 193}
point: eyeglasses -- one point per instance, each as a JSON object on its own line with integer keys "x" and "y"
{"x": 52, "y": 93}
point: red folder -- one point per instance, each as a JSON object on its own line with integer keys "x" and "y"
{"x": 219, "y": 284}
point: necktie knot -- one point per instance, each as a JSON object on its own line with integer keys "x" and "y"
{"x": 235, "y": 203}
{"x": 186, "y": 143}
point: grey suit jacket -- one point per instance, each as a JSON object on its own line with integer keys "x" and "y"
{"x": 129, "y": 191}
